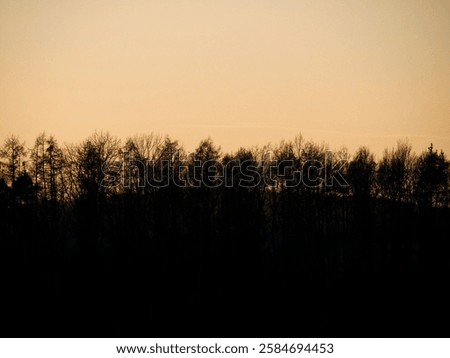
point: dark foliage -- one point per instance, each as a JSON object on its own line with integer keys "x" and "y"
{"x": 81, "y": 256}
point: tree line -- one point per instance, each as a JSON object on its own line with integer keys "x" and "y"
{"x": 83, "y": 257}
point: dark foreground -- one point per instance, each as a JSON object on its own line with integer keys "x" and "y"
{"x": 80, "y": 259}
{"x": 378, "y": 273}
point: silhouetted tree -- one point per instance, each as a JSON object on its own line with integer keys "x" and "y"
{"x": 431, "y": 178}
{"x": 361, "y": 173}
{"x": 13, "y": 152}
{"x": 394, "y": 174}
{"x": 144, "y": 238}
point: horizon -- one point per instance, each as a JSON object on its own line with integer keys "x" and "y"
{"x": 416, "y": 148}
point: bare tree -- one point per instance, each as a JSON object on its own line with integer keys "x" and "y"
{"x": 394, "y": 174}
{"x": 13, "y": 152}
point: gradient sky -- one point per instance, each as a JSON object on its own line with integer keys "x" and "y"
{"x": 347, "y": 72}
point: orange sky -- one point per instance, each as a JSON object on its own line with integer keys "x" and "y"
{"x": 347, "y": 72}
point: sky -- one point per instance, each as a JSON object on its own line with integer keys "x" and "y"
{"x": 247, "y": 72}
